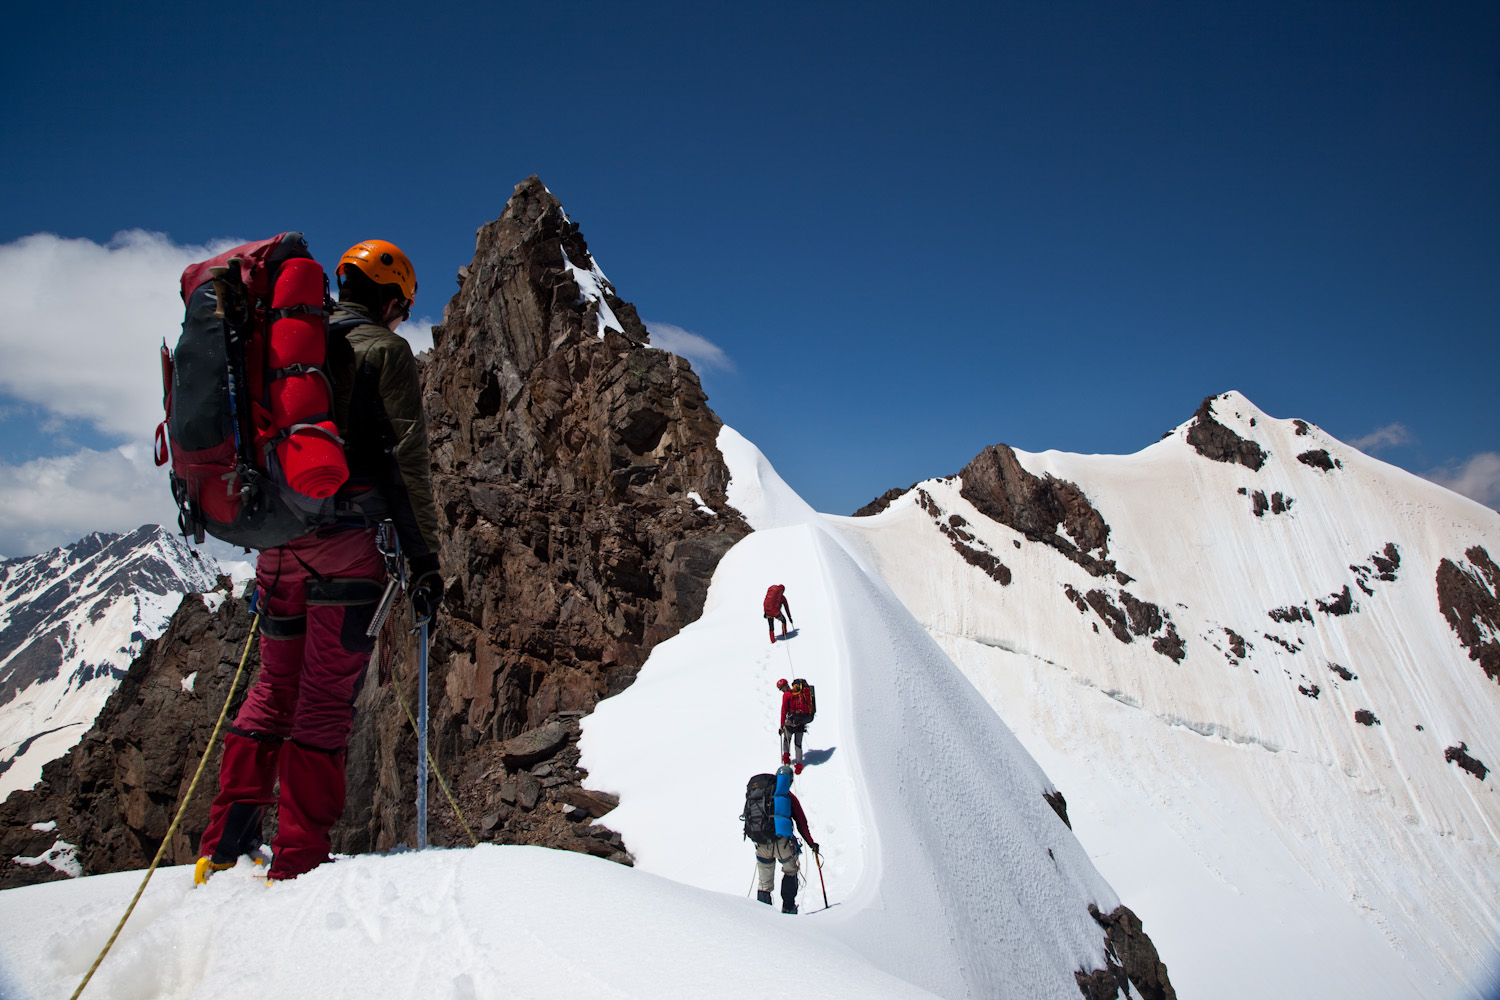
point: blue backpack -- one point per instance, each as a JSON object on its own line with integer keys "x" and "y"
{"x": 785, "y": 826}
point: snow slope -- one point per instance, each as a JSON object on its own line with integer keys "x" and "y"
{"x": 514, "y": 922}
{"x": 1240, "y": 815}
{"x": 950, "y": 869}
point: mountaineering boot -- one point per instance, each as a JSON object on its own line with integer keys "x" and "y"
{"x": 764, "y": 895}
{"x": 773, "y": 637}
{"x": 207, "y": 866}
{"x": 788, "y": 893}
{"x": 786, "y": 758}
{"x": 797, "y": 768}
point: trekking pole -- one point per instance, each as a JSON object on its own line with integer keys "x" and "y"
{"x": 422, "y": 737}
{"x": 819, "y": 859}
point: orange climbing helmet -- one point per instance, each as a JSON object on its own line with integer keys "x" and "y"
{"x": 383, "y": 263}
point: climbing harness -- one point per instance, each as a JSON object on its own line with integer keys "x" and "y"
{"x": 187, "y": 797}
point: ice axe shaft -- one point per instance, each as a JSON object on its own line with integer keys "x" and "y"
{"x": 422, "y": 739}
{"x": 819, "y": 859}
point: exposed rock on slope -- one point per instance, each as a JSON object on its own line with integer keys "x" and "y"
{"x": 1469, "y": 598}
{"x": 1212, "y": 439}
{"x": 1038, "y": 507}
{"x": 565, "y": 451}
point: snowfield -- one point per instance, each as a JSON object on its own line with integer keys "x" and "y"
{"x": 514, "y": 922}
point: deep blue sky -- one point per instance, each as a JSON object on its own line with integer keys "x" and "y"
{"x": 915, "y": 229}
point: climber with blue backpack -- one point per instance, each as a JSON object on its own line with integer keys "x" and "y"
{"x": 773, "y": 817}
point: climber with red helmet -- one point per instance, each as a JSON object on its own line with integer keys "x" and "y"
{"x": 798, "y": 706}
{"x": 321, "y": 590}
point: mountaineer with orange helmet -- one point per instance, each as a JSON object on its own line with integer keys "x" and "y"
{"x": 321, "y": 590}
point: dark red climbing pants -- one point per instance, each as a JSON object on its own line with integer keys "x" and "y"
{"x": 320, "y": 592}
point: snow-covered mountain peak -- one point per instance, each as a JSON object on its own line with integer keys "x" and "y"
{"x": 1289, "y": 643}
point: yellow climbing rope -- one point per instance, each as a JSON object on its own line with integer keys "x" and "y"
{"x": 432, "y": 762}
{"x": 176, "y": 820}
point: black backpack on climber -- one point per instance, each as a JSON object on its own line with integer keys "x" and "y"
{"x": 804, "y": 704}
{"x": 760, "y": 809}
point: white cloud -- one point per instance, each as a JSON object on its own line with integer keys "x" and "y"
{"x": 82, "y": 323}
{"x": 54, "y": 501}
{"x": 418, "y": 333}
{"x": 1388, "y": 436}
{"x": 703, "y": 353}
{"x": 1478, "y": 478}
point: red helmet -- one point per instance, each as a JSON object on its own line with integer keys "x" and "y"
{"x": 782, "y": 684}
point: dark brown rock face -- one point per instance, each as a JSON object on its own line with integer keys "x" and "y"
{"x": 1000, "y": 489}
{"x": 562, "y": 464}
{"x": 1469, "y": 599}
{"x": 1212, "y": 439}
{"x": 114, "y": 795}
{"x": 1130, "y": 960}
{"x": 1319, "y": 459}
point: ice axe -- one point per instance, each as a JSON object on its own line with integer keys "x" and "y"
{"x": 818, "y": 857}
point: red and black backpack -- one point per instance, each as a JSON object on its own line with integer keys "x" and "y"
{"x": 772, "y": 604}
{"x": 249, "y": 430}
{"x": 803, "y": 704}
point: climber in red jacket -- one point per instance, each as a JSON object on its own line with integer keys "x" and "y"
{"x": 797, "y": 709}
{"x": 773, "y": 605}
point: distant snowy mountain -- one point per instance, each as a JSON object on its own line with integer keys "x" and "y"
{"x": 1262, "y": 668}
{"x": 71, "y": 621}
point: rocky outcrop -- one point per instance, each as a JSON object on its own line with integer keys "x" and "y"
{"x": 969, "y": 547}
{"x": 1469, "y": 598}
{"x": 1460, "y": 755}
{"x": 1319, "y": 459}
{"x": 1132, "y": 618}
{"x": 1039, "y": 507}
{"x": 564, "y": 452}
{"x": 1130, "y": 960}
{"x": 1213, "y": 440}
{"x": 883, "y": 501}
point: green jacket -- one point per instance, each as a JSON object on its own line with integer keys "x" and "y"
{"x": 378, "y": 407}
